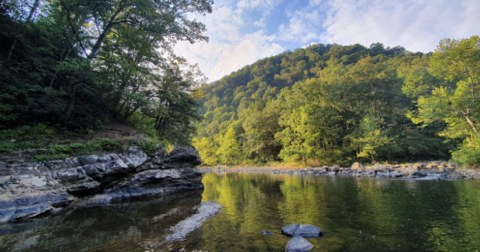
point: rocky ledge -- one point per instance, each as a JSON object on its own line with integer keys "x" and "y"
{"x": 29, "y": 190}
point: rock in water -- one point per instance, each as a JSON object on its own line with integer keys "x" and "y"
{"x": 304, "y": 230}
{"x": 184, "y": 227}
{"x": 266, "y": 233}
{"x": 298, "y": 244}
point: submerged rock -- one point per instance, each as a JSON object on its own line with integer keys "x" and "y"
{"x": 298, "y": 244}
{"x": 304, "y": 230}
{"x": 266, "y": 233}
{"x": 184, "y": 227}
{"x": 431, "y": 177}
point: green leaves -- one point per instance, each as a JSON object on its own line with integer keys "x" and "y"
{"x": 324, "y": 104}
{"x": 370, "y": 137}
{"x": 79, "y": 63}
{"x": 455, "y": 101}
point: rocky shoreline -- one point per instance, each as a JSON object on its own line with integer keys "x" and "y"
{"x": 434, "y": 170}
{"x": 31, "y": 189}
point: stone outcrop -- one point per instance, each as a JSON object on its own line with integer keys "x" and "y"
{"x": 31, "y": 189}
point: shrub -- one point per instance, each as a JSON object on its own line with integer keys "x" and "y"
{"x": 468, "y": 154}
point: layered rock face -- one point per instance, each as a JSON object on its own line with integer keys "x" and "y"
{"x": 31, "y": 189}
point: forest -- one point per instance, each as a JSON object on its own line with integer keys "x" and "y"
{"x": 333, "y": 104}
{"x": 78, "y": 65}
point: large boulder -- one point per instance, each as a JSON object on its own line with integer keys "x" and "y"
{"x": 148, "y": 184}
{"x": 186, "y": 156}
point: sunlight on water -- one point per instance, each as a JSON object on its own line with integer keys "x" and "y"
{"x": 355, "y": 214}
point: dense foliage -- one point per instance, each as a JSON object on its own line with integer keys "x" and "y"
{"x": 330, "y": 104}
{"x": 77, "y": 64}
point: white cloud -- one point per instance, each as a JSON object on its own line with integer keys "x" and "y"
{"x": 229, "y": 47}
{"x": 264, "y": 5}
{"x": 303, "y": 27}
{"x": 417, "y": 25}
{"x": 217, "y": 59}
{"x": 253, "y": 47}
{"x": 239, "y": 29}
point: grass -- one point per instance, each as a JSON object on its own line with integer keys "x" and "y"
{"x": 46, "y": 143}
{"x": 61, "y": 151}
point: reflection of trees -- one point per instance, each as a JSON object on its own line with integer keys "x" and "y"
{"x": 356, "y": 214}
{"x": 132, "y": 226}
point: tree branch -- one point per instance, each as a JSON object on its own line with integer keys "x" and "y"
{"x": 108, "y": 27}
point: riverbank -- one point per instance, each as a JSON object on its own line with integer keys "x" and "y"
{"x": 434, "y": 170}
{"x": 31, "y": 189}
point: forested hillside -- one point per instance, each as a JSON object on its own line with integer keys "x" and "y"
{"x": 77, "y": 65}
{"x": 329, "y": 104}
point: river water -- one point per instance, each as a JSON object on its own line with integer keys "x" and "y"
{"x": 356, "y": 214}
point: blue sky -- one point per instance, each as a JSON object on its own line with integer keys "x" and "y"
{"x": 243, "y": 31}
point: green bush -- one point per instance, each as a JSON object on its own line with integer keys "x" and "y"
{"x": 44, "y": 157}
{"x": 468, "y": 154}
{"x": 39, "y": 131}
{"x": 144, "y": 124}
{"x": 60, "y": 151}
{"x": 149, "y": 146}
{"x": 111, "y": 144}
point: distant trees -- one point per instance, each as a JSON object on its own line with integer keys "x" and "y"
{"x": 337, "y": 104}
{"x": 76, "y": 63}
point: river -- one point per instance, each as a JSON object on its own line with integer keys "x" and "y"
{"x": 355, "y": 214}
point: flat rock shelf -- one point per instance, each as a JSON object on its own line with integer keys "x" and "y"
{"x": 28, "y": 190}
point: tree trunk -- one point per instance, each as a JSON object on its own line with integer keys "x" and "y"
{"x": 12, "y": 47}
{"x": 33, "y": 10}
{"x": 71, "y": 102}
{"x": 472, "y": 126}
{"x": 29, "y": 18}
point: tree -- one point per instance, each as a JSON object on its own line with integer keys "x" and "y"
{"x": 371, "y": 137}
{"x": 175, "y": 110}
{"x": 79, "y": 63}
{"x": 324, "y": 104}
{"x": 230, "y": 149}
{"x": 90, "y": 23}
{"x": 456, "y": 101}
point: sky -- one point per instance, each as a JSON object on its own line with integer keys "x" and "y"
{"x": 243, "y": 31}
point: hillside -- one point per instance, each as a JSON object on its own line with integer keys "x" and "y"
{"x": 325, "y": 104}
{"x": 70, "y": 75}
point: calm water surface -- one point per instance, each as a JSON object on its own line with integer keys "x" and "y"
{"x": 356, "y": 214}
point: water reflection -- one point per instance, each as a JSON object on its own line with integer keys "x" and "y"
{"x": 355, "y": 215}
{"x": 137, "y": 226}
